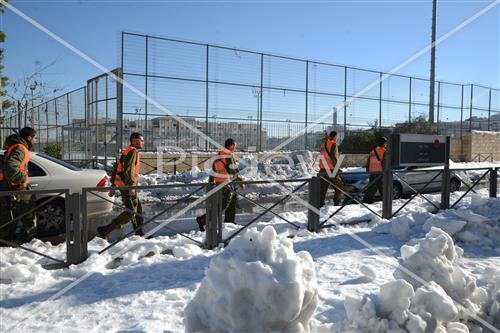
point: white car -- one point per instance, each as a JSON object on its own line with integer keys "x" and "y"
{"x": 46, "y": 173}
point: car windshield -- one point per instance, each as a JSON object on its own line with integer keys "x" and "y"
{"x": 58, "y": 161}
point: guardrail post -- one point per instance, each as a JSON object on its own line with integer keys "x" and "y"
{"x": 214, "y": 217}
{"x": 73, "y": 230}
{"x": 84, "y": 223}
{"x": 493, "y": 182}
{"x": 314, "y": 194}
{"x": 445, "y": 178}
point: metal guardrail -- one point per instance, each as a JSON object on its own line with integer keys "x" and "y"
{"x": 76, "y": 207}
{"x": 313, "y": 218}
{"x": 71, "y": 218}
{"x": 486, "y": 157}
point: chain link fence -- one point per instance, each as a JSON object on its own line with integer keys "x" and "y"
{"x": 259, "y": 99}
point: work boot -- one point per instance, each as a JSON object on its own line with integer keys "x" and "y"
{"x": 139, "y": 232}
{"x": 201, "y": 220}
{"x": 105, "y": 231}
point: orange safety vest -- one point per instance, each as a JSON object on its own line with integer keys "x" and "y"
{"x": 376, "y": 158}
{"x": 119, "y": 170}
{"x": 220, "y": 166}
{"x": 326, "y": 161}
{"x": 24, "y": 164}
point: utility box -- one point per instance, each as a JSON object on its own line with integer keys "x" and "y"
{"x": 420, "y": 149}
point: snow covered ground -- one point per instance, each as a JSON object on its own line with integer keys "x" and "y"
{"x": 357, "y": 288}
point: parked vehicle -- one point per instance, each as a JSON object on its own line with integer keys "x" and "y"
{"x": 47, "y": 172}
{"x": 411, "y": 177}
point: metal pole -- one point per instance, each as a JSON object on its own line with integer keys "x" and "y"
{"x": 380, "y": 103}
{"x": 462, "y": 113}
{"x": 409, "y": 104}
{"x": 70, "y": 134}
{"x": 105, "y": 139}
{"x": 387, "y": 180}
{"x": 32, "y": 106}
{"x": 307, "y": 89}
{"x": 96, "y": 106}
{"x": 84, "y": 223}
{"x": 445, "y": 180}
{"x": 206, "y": 97}
{"x": 470, "y": 115}
{"x": 489, "y": 110}
{"x": 119, "y": 112}
{"x": 439, "y": 95}
{"x": 57, "y": 115}
{"x": 493, "y": 182}
{"x": 314, "y": 193}
{"x": 119, "y": 102}
{"x": 433, "y": 62}
{"x": 345, "y": 101}
{"x": 148, "y": 139}
{"x": 260, "y": 96}
{"x": 47, "y": 123}
{"x": 213, "y": 217}
{"x": 73, "y": 229}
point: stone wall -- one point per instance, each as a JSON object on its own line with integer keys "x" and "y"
{"x": 474, "y": 146}
{"x": 174, "y": 162}
{"x": 483, "y": 146}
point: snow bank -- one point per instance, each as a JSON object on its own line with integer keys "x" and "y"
{"x": 257, "y": 284}
{"x": 431, "y": 292}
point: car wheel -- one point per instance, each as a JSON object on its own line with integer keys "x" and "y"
{"x": 397, "y": 190}
{"x": 454, "y": 185}
{"x": 51, "y": 219}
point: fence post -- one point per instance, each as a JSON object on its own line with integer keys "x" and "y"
{"x": 73, "y": 229}
{"x": 314, "y": 193}
{"x": 307, "y": 106}
{"x": 387, "y": 181}
{"x": 493, "y": 182}
{"x": 445, "y": 178}
{"x": 214, "y": 207}
{"x": 84, "y": 224}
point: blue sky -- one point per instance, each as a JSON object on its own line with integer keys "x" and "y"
{"x": 368, "y": 34}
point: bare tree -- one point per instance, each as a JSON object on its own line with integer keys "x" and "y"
{"x": 30, "y": 91}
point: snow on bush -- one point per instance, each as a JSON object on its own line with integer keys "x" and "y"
{"x": 258, "y": 284}
{"x": 428, "y": 291}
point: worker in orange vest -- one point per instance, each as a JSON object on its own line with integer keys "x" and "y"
{"x": 127, "y": 174}
{"x": 14, "y": 177}
{"x": 329, "y": 154}
{"x": 375, "y": 166}
{"x": 224, "y": 169}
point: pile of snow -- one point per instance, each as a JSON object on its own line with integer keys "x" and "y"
{"x": 474, "y": 221}
{"x": 431, "y": 292}
{"x": 258, "y": 284}
{"x": 285, "y": 166}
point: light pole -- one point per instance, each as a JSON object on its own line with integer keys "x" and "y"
{"x": 433, "y": 62}
{"x": 32, "y": 88}
{"x": 257, "y": 93}
{"x": 334, "y": 111}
